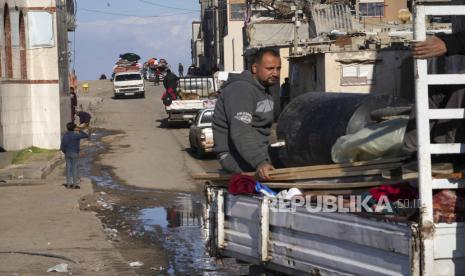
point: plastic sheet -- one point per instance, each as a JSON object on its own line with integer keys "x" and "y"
{"x": 383, "y": 139}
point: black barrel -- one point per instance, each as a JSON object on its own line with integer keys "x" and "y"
{"x": 312, "y": 123}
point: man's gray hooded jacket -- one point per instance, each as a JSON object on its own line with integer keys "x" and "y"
{"x": 242, "y": 122}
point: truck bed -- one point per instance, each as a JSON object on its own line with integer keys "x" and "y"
{"x": 320, "y": 243}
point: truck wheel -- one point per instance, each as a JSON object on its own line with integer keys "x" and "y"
{"x": 196, "y": 151}
{"x": 199, "y": 154}
{"x": 142, "y": 95}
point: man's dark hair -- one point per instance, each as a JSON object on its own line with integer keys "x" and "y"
{"x": 70, "y": 126}
{"x": 168, "y": 71}
{"x": 257, "y": 58}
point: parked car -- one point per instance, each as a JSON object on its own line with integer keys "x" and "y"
{"x": 201, "y": 133}
{"x": 129, "y": 84}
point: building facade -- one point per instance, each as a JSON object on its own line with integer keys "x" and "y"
{"x": 34, "y": 96}
{"x": 381, "y": 10}
{"x": 221, "y": 30}
{"x": 386, "y": 71}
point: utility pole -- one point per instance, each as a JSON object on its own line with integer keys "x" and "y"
{"x": 297, "y": 24}
{"x": 217, "y": 32}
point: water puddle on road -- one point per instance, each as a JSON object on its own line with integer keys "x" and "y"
{"x": 171, "y": 221}
{"x": 182, "y": 225}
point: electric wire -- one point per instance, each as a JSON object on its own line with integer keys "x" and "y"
{"x": 165, "y": 6}
{"x": 134, "y": 15}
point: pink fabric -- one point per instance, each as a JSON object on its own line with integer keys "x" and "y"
{"x": 394, "y": 192}
{"x": 171, "y": 92}
{"x": 240, "y": 184}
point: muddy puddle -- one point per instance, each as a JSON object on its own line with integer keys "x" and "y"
{"x": 163, "y": 230}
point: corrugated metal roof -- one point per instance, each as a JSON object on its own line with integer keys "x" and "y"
{"x": 332, "y": 17}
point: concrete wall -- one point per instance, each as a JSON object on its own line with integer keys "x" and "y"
{"x": 33, "y": 111}
{"x": 15, "y": 116}
{"x": 284, "y": 53}
{"x": 233, "y": 47}
{"x": 46, "y": 125}
{"x": 390, "y": 68}
{"x": 392, "y": 7}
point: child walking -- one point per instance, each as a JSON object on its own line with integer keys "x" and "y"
{"x": 70, "y": 146}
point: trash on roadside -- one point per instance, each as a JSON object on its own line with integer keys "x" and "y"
{"x": 136, "y": 264}
{"x": 105, "y": 205}
{"x": 112, "y": 234}
{"x": 62, "y": 268}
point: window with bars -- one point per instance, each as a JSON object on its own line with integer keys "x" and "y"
{"x": 237, "y": 11}
{"x": 372, "y": 9}
{"x": 360, "y": 74}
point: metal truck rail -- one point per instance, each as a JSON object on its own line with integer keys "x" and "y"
{"x": 317, "y": 243}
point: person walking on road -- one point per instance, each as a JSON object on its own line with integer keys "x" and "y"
{"x": 70, "y": 146}
{"x": 181, "y": 70}
{"x": 243, "y": 117}
{"x": 157, "y": 73}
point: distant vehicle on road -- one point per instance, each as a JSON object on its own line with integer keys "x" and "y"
{"x": 201, "y": 133}
{"x": 195, "y": 93}
{"x": 128, "y": 84}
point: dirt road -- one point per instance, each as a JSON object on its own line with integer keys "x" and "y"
{"x": 145, "y": 169}
{"x": 145, "y": 154}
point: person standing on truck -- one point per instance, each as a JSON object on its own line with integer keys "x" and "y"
{"x": 443, "y": 131}
{"x": 243, "y": 117}
{"x": 170, "y": 81}
{"x": 181, "y": 70}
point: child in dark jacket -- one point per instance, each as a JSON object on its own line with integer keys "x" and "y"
{"x": 70, "y": 146}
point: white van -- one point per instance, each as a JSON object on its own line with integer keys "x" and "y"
{"x": 129, "y": 84}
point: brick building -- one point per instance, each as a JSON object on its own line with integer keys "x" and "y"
{"x": 34, "y": 99}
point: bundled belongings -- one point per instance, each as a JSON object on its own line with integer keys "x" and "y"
{"x": 127, "y": 63}
{"x": 168, "y": 97}
{"x": 383, "y": 139}
{"x": 130, "y": 57}
{"x": 449, "y": 206}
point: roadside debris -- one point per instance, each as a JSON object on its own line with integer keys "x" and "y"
{"x": 136, "y": 264}
{"x": 112, "y": 234}
{"x": 62, "y": 268}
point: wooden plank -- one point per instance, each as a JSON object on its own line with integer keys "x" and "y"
{"x": 318, "y": 185}
{"x": 218, "y": 176}
{"x": 339, "y": 166}
{"x": 278, "y": 175}
{"x": 331, "y": 173}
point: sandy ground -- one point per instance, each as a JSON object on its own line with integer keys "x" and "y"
{"x": 44, "y": 217}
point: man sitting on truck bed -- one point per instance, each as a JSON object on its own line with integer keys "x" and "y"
{"x": 243, "y": 117}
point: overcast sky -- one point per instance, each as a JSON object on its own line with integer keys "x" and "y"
{"x": 106, "y": 29}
